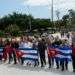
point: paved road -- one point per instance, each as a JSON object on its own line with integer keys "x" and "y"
{"x": 6, "y": 69}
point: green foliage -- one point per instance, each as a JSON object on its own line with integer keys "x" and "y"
{"x": 16, "y": 22}
{"x": 65, "y": 20}
{"x": 15, "y": 33}
{"x": 1, "y": 33}
{"x": 12, "y": 28}
{"x": 72, "y": 16}
{"x": 23, "y": 22}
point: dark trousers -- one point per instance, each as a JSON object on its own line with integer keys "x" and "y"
{"x": 0, "y": 57}
{"x": 43, "y": 60}
{"x": 14, "y": 56}
{"x": 73, "y": 62}
{"x": 50, "y": 61}
{"x": 57, "y": 60}
{"x": 10, "y": 58}
{"x": 64, "y": 64}
{"x": 36, "y": 63}
{"x": 22, "y": 60}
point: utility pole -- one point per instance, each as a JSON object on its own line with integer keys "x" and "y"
{"x": 57, "y": 14}
{"x": 52, "y": 11}
{"x": 52, "y": 14}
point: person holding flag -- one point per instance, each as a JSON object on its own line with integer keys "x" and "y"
{"x": 65, "y": 54}
{"x": 51, "y": 53}
{"x": 56, "y": 44}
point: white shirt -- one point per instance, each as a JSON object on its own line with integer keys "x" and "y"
{"x": 26, "y": 45}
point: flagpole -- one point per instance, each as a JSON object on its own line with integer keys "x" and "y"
{"x": 52, "y": 10}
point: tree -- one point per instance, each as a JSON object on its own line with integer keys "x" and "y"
{"x": 65, "y": 21}
{"x": 12, "y": 30}
{"x": 72, "y": 19}
{"x": 1, "y": 33}
{"x": 24, "y": 22}
{"x": 58, "y": 19}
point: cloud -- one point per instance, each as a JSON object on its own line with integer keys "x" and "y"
{"x": 57, "y": 3}
{"x": 36, "y": 2}
{"x": 62, "y": 5}
{"x": 48, "y": 2}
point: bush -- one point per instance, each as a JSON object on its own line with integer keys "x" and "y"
{"x": 15, "y": 33}
{"x": 1, "y": 33}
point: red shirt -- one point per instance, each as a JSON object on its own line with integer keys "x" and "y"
{"x": 6, "y": 51}
{"x": 9, "y": 49}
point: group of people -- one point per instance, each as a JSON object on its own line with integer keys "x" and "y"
{"x": 43, "y": 45}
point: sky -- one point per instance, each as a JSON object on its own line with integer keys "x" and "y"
{"x": 38, "y": 8}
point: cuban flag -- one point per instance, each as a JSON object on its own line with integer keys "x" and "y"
{"x": 1, "y": 53}
{"x": 29, "y": 54}
{"x": 64, "y": 51}
{"x": 52, "y": 52}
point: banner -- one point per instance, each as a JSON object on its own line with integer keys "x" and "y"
{"x": 29, "y": 54}
{"x": 1, "y": 51}
{"x": 32, "y": 54}
{"x": 64, "y": 51}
